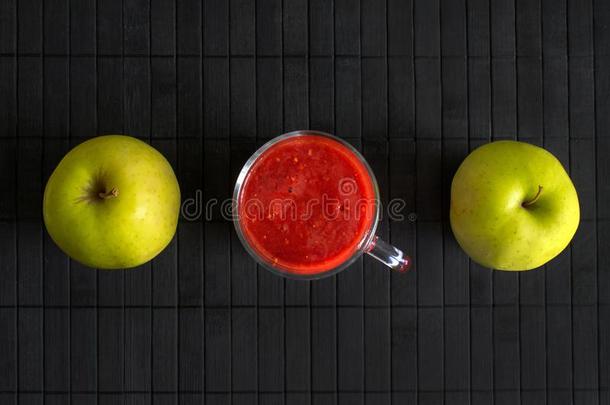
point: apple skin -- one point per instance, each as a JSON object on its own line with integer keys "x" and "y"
{"x": 119, "y": 231}
{"x": 488, "y": 216}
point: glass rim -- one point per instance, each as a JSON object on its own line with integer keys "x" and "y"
{"x": 367, "y": 238}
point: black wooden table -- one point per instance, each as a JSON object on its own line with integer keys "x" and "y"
{"x": 415, "y": 85}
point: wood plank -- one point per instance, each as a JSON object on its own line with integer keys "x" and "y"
{"x": 217, "y": 349}
{"x": 269, "y": 96}
{"x": 585, "y": 349}
{"x": 111, "y": 349}
{"x": 347, "y": 28}
{"x": 454, "y": 99}
{"x": 56, "y": 398}
{"x": 163, "y": 98}
{"x": 138, "y": 349}
{"x": 271, "y": 350}
{"x": 82, "y": 27}
{"x": 190, "y": 398}
{"x": 372, "y": 24}
{"x": 83, "y": 98}
{"x": 217, "y": 398}
{"x": 164, "y": 335}
{"x": 503, "y": 28}
{"x": 429, "y": 260}
{"x": 529, "y": 99}
{"x": 479, "y": 99}
{"x": 457, "y": 360}
{"x": 601, "y": 32}
{"x": 602, "y": 172}
{"x": 481, "y": 356}
{"x": 400, "y": 27}
{"x": 377, "y": 349}
{"x": 242, "y": 23}
{"x": 401, "y": 98}
{"x": 8, "y": 103}
{"x": 580, "y": 28}
{"x": 190, "y": 351}
{"x": 242, "y": 99}
{"x": 298, "y": 349}
{"x": 136, "y": 27}
{"x": 109, "y": 16}
{"x": 57, "y": 359}
{"x": 56, "y": 23}
{"x": 453, "y": 28}
{"x": 29, "y": 26}
{"x": 504, "y": 99}
{"x": 244, "y": 353}
{"x": 294, "y": 25}
{"x": 188, "y": 27}
{"x": 350, "y": 355}
{"x": 533, "y": 348}
{"x": 8, "y": 262}
{"x": 216, "y": 27}
{"x": 604, "y": 351}
{"x": 348, "y": 97}
{"x": 217, "y": 238}
{"x": 269, "y": 28}
{"x": 427, "y": 28}
{"x": 162, "y": 27}
{"x": 324, "y": 349}
{"x": 84, "y": 349}
{"x": 430, "y": 373}
{"x": 603, "y": 279}
{"x": 428, "y": 113}
{"x": 8, "y": 350}
{"x": 355, "y": 398}
{"x": 555, "y": 98}
{"x": 478, "y": 21}
{"x": 321, "y": 94}
{"x": 296, "y": 97}
{"x": 581, "y": 98}
{"x": 404, "y": 349}
{"x": 506, "y": 330}
{"x": 8, "y": 26}
{"x": 559, "y": 349}
{"x": 245, "y": 399}
{"x": 321, "y": 28}
{"x": 374, "y": 99}
{"x": 528, "y": 28}
{"x": 554, "y": 28}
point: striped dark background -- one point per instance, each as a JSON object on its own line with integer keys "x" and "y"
{"x": 415, "y": 84}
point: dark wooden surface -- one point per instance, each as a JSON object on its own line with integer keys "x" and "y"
{"x": 415, "y": 84}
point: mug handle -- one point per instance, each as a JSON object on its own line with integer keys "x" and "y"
{"x": 389, "y": 255}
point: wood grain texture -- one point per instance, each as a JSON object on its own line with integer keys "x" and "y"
{"x": 415, "y": 85}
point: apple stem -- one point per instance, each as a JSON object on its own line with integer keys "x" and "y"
{"x": 533, "y": 200}
{"x": 109, "y": 194}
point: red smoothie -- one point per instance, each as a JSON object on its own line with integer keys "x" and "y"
{"x": 306, "y": 204}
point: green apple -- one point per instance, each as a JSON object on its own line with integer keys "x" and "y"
{"x": 112, "y": 202}
{"x": 513, "y": 206}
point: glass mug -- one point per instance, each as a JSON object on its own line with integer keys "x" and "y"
{"x": 331, "y": 195}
